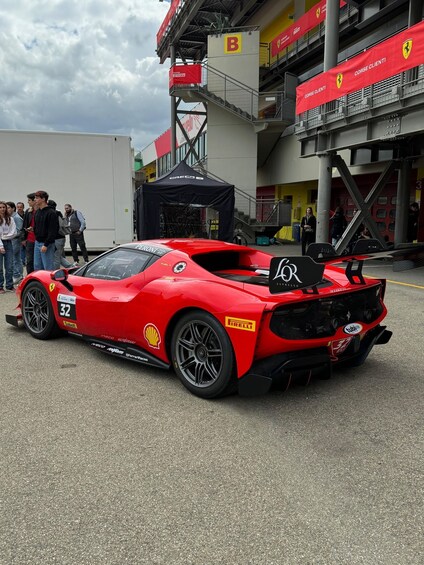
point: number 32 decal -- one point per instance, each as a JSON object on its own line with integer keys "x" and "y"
{"x": 67, "y": 306}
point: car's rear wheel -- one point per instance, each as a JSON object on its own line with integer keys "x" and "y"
{"x": 202, "y": 355}
{"x": 37, "y": 312}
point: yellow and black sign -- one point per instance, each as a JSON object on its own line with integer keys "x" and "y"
{"x": 240, "y": 324}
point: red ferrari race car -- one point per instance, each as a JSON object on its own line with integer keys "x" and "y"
{"x": 224, "y": 316}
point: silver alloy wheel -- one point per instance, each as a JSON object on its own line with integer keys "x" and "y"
{"x": 35, "y": 310}
{"x": 199, "y": 354}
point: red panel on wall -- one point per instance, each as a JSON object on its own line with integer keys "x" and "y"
{"x": 185, "y": 74}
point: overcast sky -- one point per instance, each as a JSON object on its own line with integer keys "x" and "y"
{"x": 83, "y": 66}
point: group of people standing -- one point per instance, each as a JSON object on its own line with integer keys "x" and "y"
{"x": 35, "y": 238}
{"x": 308, "y": 226}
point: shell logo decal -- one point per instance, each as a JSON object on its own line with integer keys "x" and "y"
{"x": 152, "y": 336}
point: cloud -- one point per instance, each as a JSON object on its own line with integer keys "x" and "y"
{"x": 83, "y": 67}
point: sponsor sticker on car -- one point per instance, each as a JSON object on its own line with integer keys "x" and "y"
{"x": 66, "y": 306}
{"x": 353, "y": 329}
{"x": 152, "y": 336}
{"x": 339, "y": 346}
{"x": 240, "y": 324}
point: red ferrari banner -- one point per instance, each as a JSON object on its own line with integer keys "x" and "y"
{"x": 305, "y": 23}
{"x": 389, "y": 58}
{"x": 185, "y": 74}
{"x": 168, "y": 17}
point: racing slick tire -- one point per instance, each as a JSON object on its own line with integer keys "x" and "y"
{"x": 202, "y": 355}
{"x": 37, "y": 312}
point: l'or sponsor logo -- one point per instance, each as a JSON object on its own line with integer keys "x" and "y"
{"x": 339, "y": 80}
{"x": 407, "y": 48}
{"x": 240, "y": 324}
{"x": 352, "y": 329}
{"x": 232, "y": 43}
{"x": 287, "y": 272}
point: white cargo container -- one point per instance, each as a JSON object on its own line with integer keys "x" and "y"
{"x": 93, "y": 172}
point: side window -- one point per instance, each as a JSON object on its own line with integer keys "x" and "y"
{"x": 117, "y": 265}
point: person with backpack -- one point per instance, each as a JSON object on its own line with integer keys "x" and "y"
{"x": 59, "y": 258}
{"x": 76, "y": 223}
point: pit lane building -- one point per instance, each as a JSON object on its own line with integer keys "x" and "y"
{"x": 306, "y": 102}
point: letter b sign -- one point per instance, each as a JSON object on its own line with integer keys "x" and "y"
{"x": 232, "y": 43}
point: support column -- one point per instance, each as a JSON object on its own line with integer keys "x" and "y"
{"x": 173, "y": 117}
{"x": 324, "y": 197}
{"x": 415, "y": 11}
{"x": 402, "y": 201}
{"x": 331, "y": 49}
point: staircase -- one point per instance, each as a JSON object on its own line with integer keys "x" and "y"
{"x": 257, "y": 108}
{"x": 255, "y": 217}
{"x": 260, "y": 217}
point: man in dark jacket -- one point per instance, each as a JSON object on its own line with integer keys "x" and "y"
{"x": 76, "y": 222}
{"x": 339, "y": 225}
{"x": 45, "y": 228}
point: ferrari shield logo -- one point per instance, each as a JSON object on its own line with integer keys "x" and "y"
{"x": 407, "y": 48}
{"x": 339, "y": 80}
{"x": 318, "y": 12}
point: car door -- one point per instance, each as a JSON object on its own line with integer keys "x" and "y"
{"x": 102, "y": 291}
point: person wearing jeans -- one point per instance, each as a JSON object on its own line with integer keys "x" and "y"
{"x": 16, "y": 242}
{"x": 7, "y": 233}
{"x": 46, "y": 228}
{"x": 59, "y": 243}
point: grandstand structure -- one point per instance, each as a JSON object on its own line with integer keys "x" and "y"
{"x": 302, "y": 102}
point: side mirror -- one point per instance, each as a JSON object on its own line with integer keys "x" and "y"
{"x": 61, "y": 275}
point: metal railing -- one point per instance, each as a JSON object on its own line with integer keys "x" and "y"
{"x": 250, "y": 210}
{"x": 240, "y": 99}
{"x": 307, "y": 41}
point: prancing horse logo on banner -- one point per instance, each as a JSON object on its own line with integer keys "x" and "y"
{"x": 339, "y": 80}
{"x": 407, "y": 48}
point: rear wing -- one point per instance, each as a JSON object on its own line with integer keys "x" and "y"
{"x": 305, "y": 273}
{"x": 404, "y": 256}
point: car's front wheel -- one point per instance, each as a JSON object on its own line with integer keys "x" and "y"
{"x": 37, "y": 312}
{"x": 202, "y": 355}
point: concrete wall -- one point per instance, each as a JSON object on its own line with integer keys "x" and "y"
{"x": 232, "y": 142}
{"x": 232, "y": 149}
{"x": 285, "y": 166}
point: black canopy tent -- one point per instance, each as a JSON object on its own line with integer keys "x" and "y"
{"x": 183, "y": 185}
